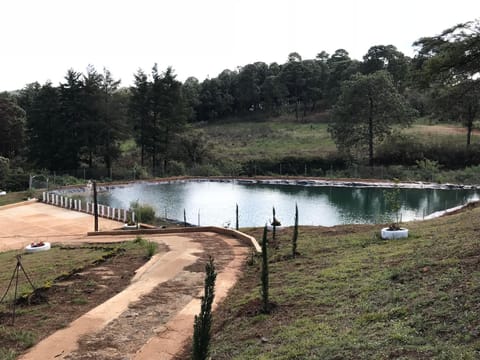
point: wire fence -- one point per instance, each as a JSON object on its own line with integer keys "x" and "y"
{"x": 51, "y": 180}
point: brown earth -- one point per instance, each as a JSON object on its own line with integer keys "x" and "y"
{"x": 72, "y": 296}
{"x": 443, "y": 129}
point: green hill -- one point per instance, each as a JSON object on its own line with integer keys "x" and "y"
{"x": 351, "y": 295}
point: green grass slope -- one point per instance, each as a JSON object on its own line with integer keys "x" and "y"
{"x": 275, "y": 139}
{"x": 351, "y": 295}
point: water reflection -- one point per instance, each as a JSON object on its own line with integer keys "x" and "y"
{"x": 215, "y": 201}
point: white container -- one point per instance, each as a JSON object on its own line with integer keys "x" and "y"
{"x": 394, "y": 234}
{"x": 44, "y": 247}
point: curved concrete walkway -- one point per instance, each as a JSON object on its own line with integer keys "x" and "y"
{"x": 23, "y": 224}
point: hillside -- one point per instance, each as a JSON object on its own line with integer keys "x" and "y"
{"x": 283, "y": 146}
{"x": 350, "y": 295}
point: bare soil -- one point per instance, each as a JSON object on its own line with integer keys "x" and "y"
{"x": 123, "y": 337}
{"x": 53, "y": 307}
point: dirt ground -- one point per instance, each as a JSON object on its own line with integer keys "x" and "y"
{"x": 123, "y": 337}
{"x": 73, "y": 295}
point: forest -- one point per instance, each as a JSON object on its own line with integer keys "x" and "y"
{"x": 89, "y": 126}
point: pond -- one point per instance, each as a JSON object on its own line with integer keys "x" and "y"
{"x": 213, "y": 202}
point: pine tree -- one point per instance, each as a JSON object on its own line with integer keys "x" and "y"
{"x": 265, "y": 301}
{"x": 295, "y": 233}
{"x": 203, "y": 321}
{"x": 274, "y": 226}
{"x": 236, "y": 217}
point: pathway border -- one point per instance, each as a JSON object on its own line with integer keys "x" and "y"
{"x": 247, "y": 239}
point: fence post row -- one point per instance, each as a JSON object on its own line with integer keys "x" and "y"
{"x": 76, "y": 204}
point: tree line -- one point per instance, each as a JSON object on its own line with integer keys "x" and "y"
{"x": 86, "y": 119}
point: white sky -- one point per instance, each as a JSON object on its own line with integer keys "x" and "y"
{"x": 41, "y": 39}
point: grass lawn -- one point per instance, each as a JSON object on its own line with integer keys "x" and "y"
{"x": 351, "y": 295}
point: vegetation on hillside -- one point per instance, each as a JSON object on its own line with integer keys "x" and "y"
{"x": 351, "y": 295}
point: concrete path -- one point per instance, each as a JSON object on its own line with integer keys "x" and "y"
{"x": 20, "y": 225}
{"x": 23, "y": 224}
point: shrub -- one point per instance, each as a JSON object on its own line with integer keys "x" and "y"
{"x": 140, "y": 172}
{"x": 205, "y": 170}
{"x": 295, "y": 233}
{"x": 4, "y": 169}
{"x": 151, "y": 248}
{"x": 176, "y": 168}
{"x": 16, "y": 182}
{"x": 265, "y": 300}
{"x": 143, "y": 212}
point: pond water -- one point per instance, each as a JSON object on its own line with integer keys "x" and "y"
{"x": 213, "y": 203}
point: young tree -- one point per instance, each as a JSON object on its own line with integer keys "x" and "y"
{"x": 236, "y": 216}
{"x": 368, "y": 107}
{"x": 203, "y": 322}
{"x": 295, "y": 233}
{"x": 264, "y": 278}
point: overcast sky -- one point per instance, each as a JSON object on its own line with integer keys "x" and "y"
{"x": 41, "y": 39}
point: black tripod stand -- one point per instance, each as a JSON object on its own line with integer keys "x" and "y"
{"x": 15, "y": 275}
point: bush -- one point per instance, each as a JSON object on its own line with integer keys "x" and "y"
{"x": 404, "y": 150}
{"x": 4, "y": 169}
{"x": 230, "y": 168}
{"x": 151, "y": 248}
{"x": 176, "y": 168}
{"x": 16, "y": 182}
{"x": 206, "y": 170}
{"x": 143, "y": 212}
{"x": 65, "y": 180}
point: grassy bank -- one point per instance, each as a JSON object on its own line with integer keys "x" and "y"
{"x": 248, "y": 141}
{"x": 14, "y": 197}
{"x": 350, "y": 295}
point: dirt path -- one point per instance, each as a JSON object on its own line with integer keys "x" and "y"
{"x": 153, "y": 316}
{"x": 441, "y": 129}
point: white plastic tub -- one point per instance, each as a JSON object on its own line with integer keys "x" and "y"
{"x": 394, "y": 234}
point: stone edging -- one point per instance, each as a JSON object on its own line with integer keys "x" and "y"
{"x": 277, "y": 181}
{"x": 247, "y": 239}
